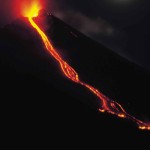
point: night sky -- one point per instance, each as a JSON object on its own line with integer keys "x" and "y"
{"x": 121, "y": 25}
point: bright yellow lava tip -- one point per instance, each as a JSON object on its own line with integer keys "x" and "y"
{"x": 121, "y": 115}
{"x": 144, "y": 127}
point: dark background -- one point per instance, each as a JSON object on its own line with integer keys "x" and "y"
{"x": 43, "y": 107}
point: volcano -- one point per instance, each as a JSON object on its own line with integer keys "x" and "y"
{"x": 40, "y": 93}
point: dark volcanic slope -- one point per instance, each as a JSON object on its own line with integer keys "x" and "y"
{"x": 36, "y": 91}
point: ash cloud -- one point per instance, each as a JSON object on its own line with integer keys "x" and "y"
{"x": 87, "y": 17}
{"x": 92, "y": 25}
{"x": 88, "y": 25}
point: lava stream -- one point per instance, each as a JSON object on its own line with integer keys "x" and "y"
{"x": 107, "y": 105}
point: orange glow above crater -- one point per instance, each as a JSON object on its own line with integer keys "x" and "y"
{"x": 31, "y": 9}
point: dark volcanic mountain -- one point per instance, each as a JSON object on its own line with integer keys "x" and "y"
{"x": 34, "y": 90}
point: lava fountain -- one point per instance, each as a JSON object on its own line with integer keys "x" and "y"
{"x": 107, "y": 105}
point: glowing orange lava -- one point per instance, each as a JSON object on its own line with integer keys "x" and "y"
{"x": 107, "y": 105}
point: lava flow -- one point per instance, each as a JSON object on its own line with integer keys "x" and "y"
{"x": 107, "y": 105}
